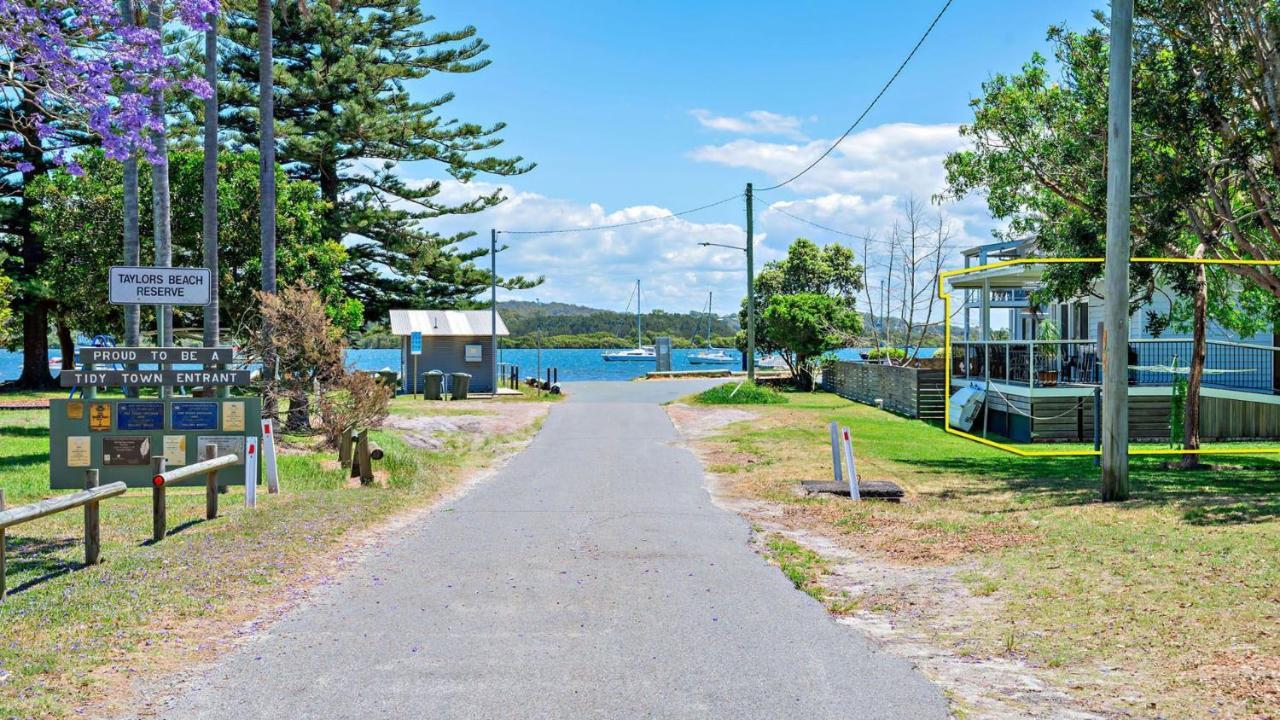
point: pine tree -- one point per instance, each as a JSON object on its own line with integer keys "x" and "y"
{"x": 342, "y": 100}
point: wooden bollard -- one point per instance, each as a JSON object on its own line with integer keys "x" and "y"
{"x": 344, "y": 448}
{"x": 362, "y": 456}
{"x": 158, "y": 521}
{"x": 92, "y": 522}
{"x": 211, "y": 485}
{"x": 375, "y": 451}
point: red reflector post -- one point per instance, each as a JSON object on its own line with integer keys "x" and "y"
{"x": 158, "y": 481}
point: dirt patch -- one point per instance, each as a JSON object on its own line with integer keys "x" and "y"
{"x": 1245, "y": 676}
{"x": 492, "y": 418}
{"x": 902, "y": 587}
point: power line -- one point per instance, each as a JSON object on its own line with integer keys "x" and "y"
{"x": 870, "y": 106}
{"x": 590, "y": 228}
{"x": 853, "y": 236}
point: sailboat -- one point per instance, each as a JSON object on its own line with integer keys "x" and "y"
{"x": 641, "y": 353}
{"x": 712, "y": 355}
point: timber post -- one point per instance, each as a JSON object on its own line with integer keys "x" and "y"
{"x": 92, "y": 522}
{"x": 211, "y": 484}
{"x": 158, "y": 521}
{"x": 344, "y": 448}
{"x": 2, "y": 585}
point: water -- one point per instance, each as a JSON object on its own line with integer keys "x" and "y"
{"x": 571, "y": 364}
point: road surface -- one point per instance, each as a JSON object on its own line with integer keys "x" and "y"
{"x": 590, "y": 578}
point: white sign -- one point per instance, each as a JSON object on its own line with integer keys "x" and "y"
{"x": 473, "y": 353}
{"x": 159, "y": 286}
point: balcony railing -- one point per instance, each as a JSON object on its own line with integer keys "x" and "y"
{"x": 1048, "y": 363}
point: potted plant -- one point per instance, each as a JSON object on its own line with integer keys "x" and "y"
{"x": 1047, "y": 353}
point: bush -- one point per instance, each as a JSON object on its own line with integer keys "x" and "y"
{"x": 880, "y": 353}
{"x": 745, "y": 393}
{"x": 358, "y": 401}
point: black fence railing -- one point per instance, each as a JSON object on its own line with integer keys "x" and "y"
{"x": 1043, "y": 363}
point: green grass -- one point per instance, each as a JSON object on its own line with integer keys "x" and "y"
{"x": 744, "y": 393}
{"x": 802, "y": 566}
{"x": 1182, "y": 576}
{"x": 64, "y": 622}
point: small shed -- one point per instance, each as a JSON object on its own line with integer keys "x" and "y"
{"x": 452, "y": 341}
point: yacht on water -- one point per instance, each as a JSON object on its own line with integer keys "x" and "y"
{"x": 711, "y": 355}
{"x": 641, "y": 352}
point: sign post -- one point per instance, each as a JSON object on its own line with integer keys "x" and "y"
{"x": 269, "y": 457}
{"x": 250, "y": 471}
{"x": 415, "y": 349}
{"x": 161, "y": 286}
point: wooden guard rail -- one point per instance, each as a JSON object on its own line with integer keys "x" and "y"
{"x": 87, "y": 498}
{"x": 163, "y": 478}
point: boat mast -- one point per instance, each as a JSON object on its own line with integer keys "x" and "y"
{"x": 709, "y": 318}
{"x": 639, "y": 336}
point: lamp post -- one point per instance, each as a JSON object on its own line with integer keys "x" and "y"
{"x": 751, "y": 302}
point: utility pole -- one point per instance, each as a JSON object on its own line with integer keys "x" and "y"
{"x": 493, "y": 304}
{"x": 1115, "y": 371}
{"x": 751, "y": 289}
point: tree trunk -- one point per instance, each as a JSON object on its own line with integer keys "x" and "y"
{"x": 162, "y": 230}
{"x": 210, "y": 207}
{"x": 132, "y": 244}
{"x": 66, "y": 345}
{"x": 266, "y": 148}
{"x": 1199, "y": 352}
{"x": 34, "y": 309}
{"x": 299, "y": 419}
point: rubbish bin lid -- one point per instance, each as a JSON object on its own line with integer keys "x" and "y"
{"x": 434, "y": 372}
{"x": 465, "y": 375}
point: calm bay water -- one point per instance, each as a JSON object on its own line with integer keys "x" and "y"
{"x": 571, "y": 364}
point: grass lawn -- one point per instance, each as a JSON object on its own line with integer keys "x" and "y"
{"x": 1178, "y": 588}
{"x": 72, "y": 633}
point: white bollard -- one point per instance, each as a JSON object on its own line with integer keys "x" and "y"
{"x": 250, "y": 471}
{"x": 835, "y": 451}
{"x": 269, "y": 456}
{"x": 853, "y": 468}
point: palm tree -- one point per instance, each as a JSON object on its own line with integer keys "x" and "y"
{"x": 210, "y": 207}
{"x": 266, "y": 148}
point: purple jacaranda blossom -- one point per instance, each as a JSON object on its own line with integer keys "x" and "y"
{"x": 76, "y": 68}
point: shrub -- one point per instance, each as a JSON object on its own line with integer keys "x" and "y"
{"x": 745, "y": 393}
{"x": 358, "y": 400}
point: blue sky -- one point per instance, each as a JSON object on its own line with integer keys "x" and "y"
{"x": 636, "y": 109}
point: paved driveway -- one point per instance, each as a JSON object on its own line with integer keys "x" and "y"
{"x": 592, "y": 578}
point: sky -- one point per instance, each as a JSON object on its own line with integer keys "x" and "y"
{"x": 634, "y": 110}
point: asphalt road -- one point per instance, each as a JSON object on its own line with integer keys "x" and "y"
{"x": 592, "y": 578}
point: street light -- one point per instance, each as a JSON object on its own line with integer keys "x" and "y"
{"x": 751, "y": 304}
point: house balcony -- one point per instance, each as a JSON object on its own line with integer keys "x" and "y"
{"x": 1229, "y": 366}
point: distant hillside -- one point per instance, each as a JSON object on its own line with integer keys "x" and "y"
{"x": 552, "y": 319}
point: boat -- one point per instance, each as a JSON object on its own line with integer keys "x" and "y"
{"x": 641, "y": 352}
{"x": 711, "y": 355}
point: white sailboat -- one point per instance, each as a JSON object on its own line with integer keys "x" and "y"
{"x": 641, "y": 353}
{"x": 711, "y": 355}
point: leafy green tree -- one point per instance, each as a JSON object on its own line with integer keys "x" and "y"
{"x": 79, "y": 219}
{"x": 346, "y": 121}
{"x": 807, "y": 269}
{"x": 807, "y": 325}
{"x": 6, "y": 312}
{"x": 1204, "y": 172}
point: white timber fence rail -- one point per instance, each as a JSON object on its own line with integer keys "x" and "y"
{"x": 164, "y": 478}
{"x": 87, "y": 498}
{"x": 913, "y": 392}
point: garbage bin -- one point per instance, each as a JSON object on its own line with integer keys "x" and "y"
{"x": 433, "y": 385}
{"x": 461, "y": 382}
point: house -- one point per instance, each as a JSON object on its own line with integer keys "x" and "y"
{"x": 452, "y": 341}
{"x": 1040, "y": 389}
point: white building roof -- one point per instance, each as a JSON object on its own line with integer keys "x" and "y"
{"x": 444, "y": 323}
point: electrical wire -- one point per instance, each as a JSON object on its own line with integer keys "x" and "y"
{"x": 591, "y": 228}
{"x": 870, "y": 106}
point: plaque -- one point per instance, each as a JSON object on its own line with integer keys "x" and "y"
{"x": 78, "y": 451}
{"x": 140, "y": 416}
{"x": 99, "y": 416}
{"x": 193, "y": 416}
{"x": 126, "y": 450}
{"x": 75, "y": 409}
{"x": 233, "y": 417}
{"x": 226, "y": 445}
{"x": 175, "y": 450}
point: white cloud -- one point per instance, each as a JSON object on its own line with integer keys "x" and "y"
{"x": 755, "y": 122}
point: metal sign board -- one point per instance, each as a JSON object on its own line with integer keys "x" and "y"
{"x": 152, "y": 378}
{"x": 226, "y": 445}
{"x": 193, "y": 415}
{"x": 140, "y": 416}
{"x": 415, "y": 343}
{"x": 133, "y": 450}
{"x": 159, "y": 286}
{"x": 155, "y": 355}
